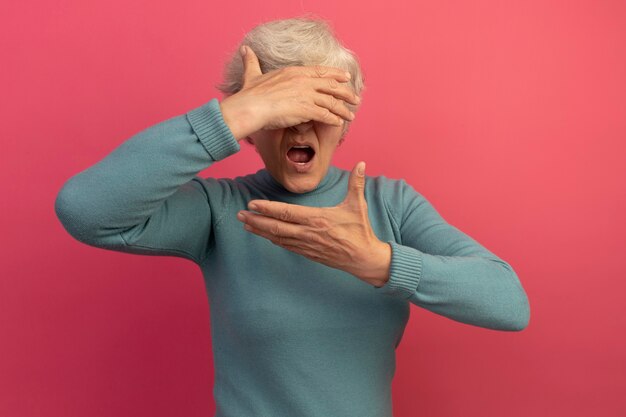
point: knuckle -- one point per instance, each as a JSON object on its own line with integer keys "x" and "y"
{"x": 298, "y": 78}
{"x": 275, "y": 230}
{"x": 320, "y": 70}
{"x": 310, "y": 237}
{"x": 285, "y": 214}
{"x": 315, "y": 256}
{"x": 335, "y": 234}
{"x": 317, "y": 239}
{"x": 333, "y": 102}
{"x": 303, "y": 104}
{"x": 319, "y": 222}
{"x": 290, "y": 72}
{"x": 328, "y": 115}
{"x": 332, "y": 83}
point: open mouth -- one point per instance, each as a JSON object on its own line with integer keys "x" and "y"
{"x": 300, "y": 154}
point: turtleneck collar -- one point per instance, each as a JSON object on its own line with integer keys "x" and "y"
{"x": 333, "y": 175}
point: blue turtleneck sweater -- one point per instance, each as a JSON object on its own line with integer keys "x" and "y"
{"x": 291, "y": 337}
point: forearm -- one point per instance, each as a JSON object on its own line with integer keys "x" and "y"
{"x": 129, "y": 184}
{"x": 480, "y": 291}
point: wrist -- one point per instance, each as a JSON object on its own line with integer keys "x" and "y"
{"x": 377, "y": 267}
{"x": 237, "y": 118}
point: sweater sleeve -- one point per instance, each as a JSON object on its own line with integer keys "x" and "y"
{"x": 438, "y": 267}
{"x": 145, "y": 196}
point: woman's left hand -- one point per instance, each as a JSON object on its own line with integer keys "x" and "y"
{"x": 340, "y": 237}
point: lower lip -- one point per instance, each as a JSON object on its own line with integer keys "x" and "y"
{"x": 300, "y": 167}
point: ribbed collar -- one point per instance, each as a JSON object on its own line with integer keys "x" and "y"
{"x": 333, "y": 175}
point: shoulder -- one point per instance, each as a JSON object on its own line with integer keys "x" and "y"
{"x": 393, "y": 189}
{"x": 214, "y": 185}
{"x": 226, "y": 189}
{"x": 398, "y": 197}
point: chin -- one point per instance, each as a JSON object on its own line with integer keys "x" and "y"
{"x": 301, "y": 185}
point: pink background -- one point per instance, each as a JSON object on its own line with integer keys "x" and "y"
{"x": 508, "y": 116}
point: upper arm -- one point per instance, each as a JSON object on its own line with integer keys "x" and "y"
{"x": 181, "y": 226}
{"x": 423, "y": 228}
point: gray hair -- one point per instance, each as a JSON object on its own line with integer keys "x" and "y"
{"x": 299, "y": 41}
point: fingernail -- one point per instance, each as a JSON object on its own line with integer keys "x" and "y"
{"x": 243, "y": 50}
{"x": 361, "y": 169}
{"x": 252, "y": 206}
{"x": 241, "y": 216}
{"x": 348, "y": 75}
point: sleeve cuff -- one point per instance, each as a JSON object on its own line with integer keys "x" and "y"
{"x": 404, "y": 272}
{"x": 208, "y": 124}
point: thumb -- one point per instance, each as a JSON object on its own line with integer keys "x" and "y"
{"x": 251, "y": 66}
{"x": 356, "y": 184}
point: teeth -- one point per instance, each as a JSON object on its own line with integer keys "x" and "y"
{"x": 301, "y": 146}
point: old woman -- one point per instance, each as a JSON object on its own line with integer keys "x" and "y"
{"x": 310, "y": 269}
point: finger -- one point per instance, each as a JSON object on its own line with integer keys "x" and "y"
{"x": 251, "y": 66}
{"x": 278, "y": 240}
{"x": 272, "y": 226}
{"x": 324, "y": 115}
{"x": 340, "y": 90}
{"x": 292, "y": 213}
{"x": 335, "y": 106}
{"x": 319, "y": 71}
{"x": 356, "y": 184}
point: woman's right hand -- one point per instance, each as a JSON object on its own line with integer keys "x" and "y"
{"x": 287, "y": 97}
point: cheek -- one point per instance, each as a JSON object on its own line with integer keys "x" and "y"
{"x": 331, "y": 135}
{"x": 329, "y": 146}
{"x": 272, "y": 156}
{"x": 268, "y": 147}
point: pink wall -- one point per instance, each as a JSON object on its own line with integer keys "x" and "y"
{"x": 509, "y": 116}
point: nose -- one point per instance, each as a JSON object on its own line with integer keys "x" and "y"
{"x": 302, "y": 127}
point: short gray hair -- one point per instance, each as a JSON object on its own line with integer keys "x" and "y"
{"x": 299, "y": 41}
